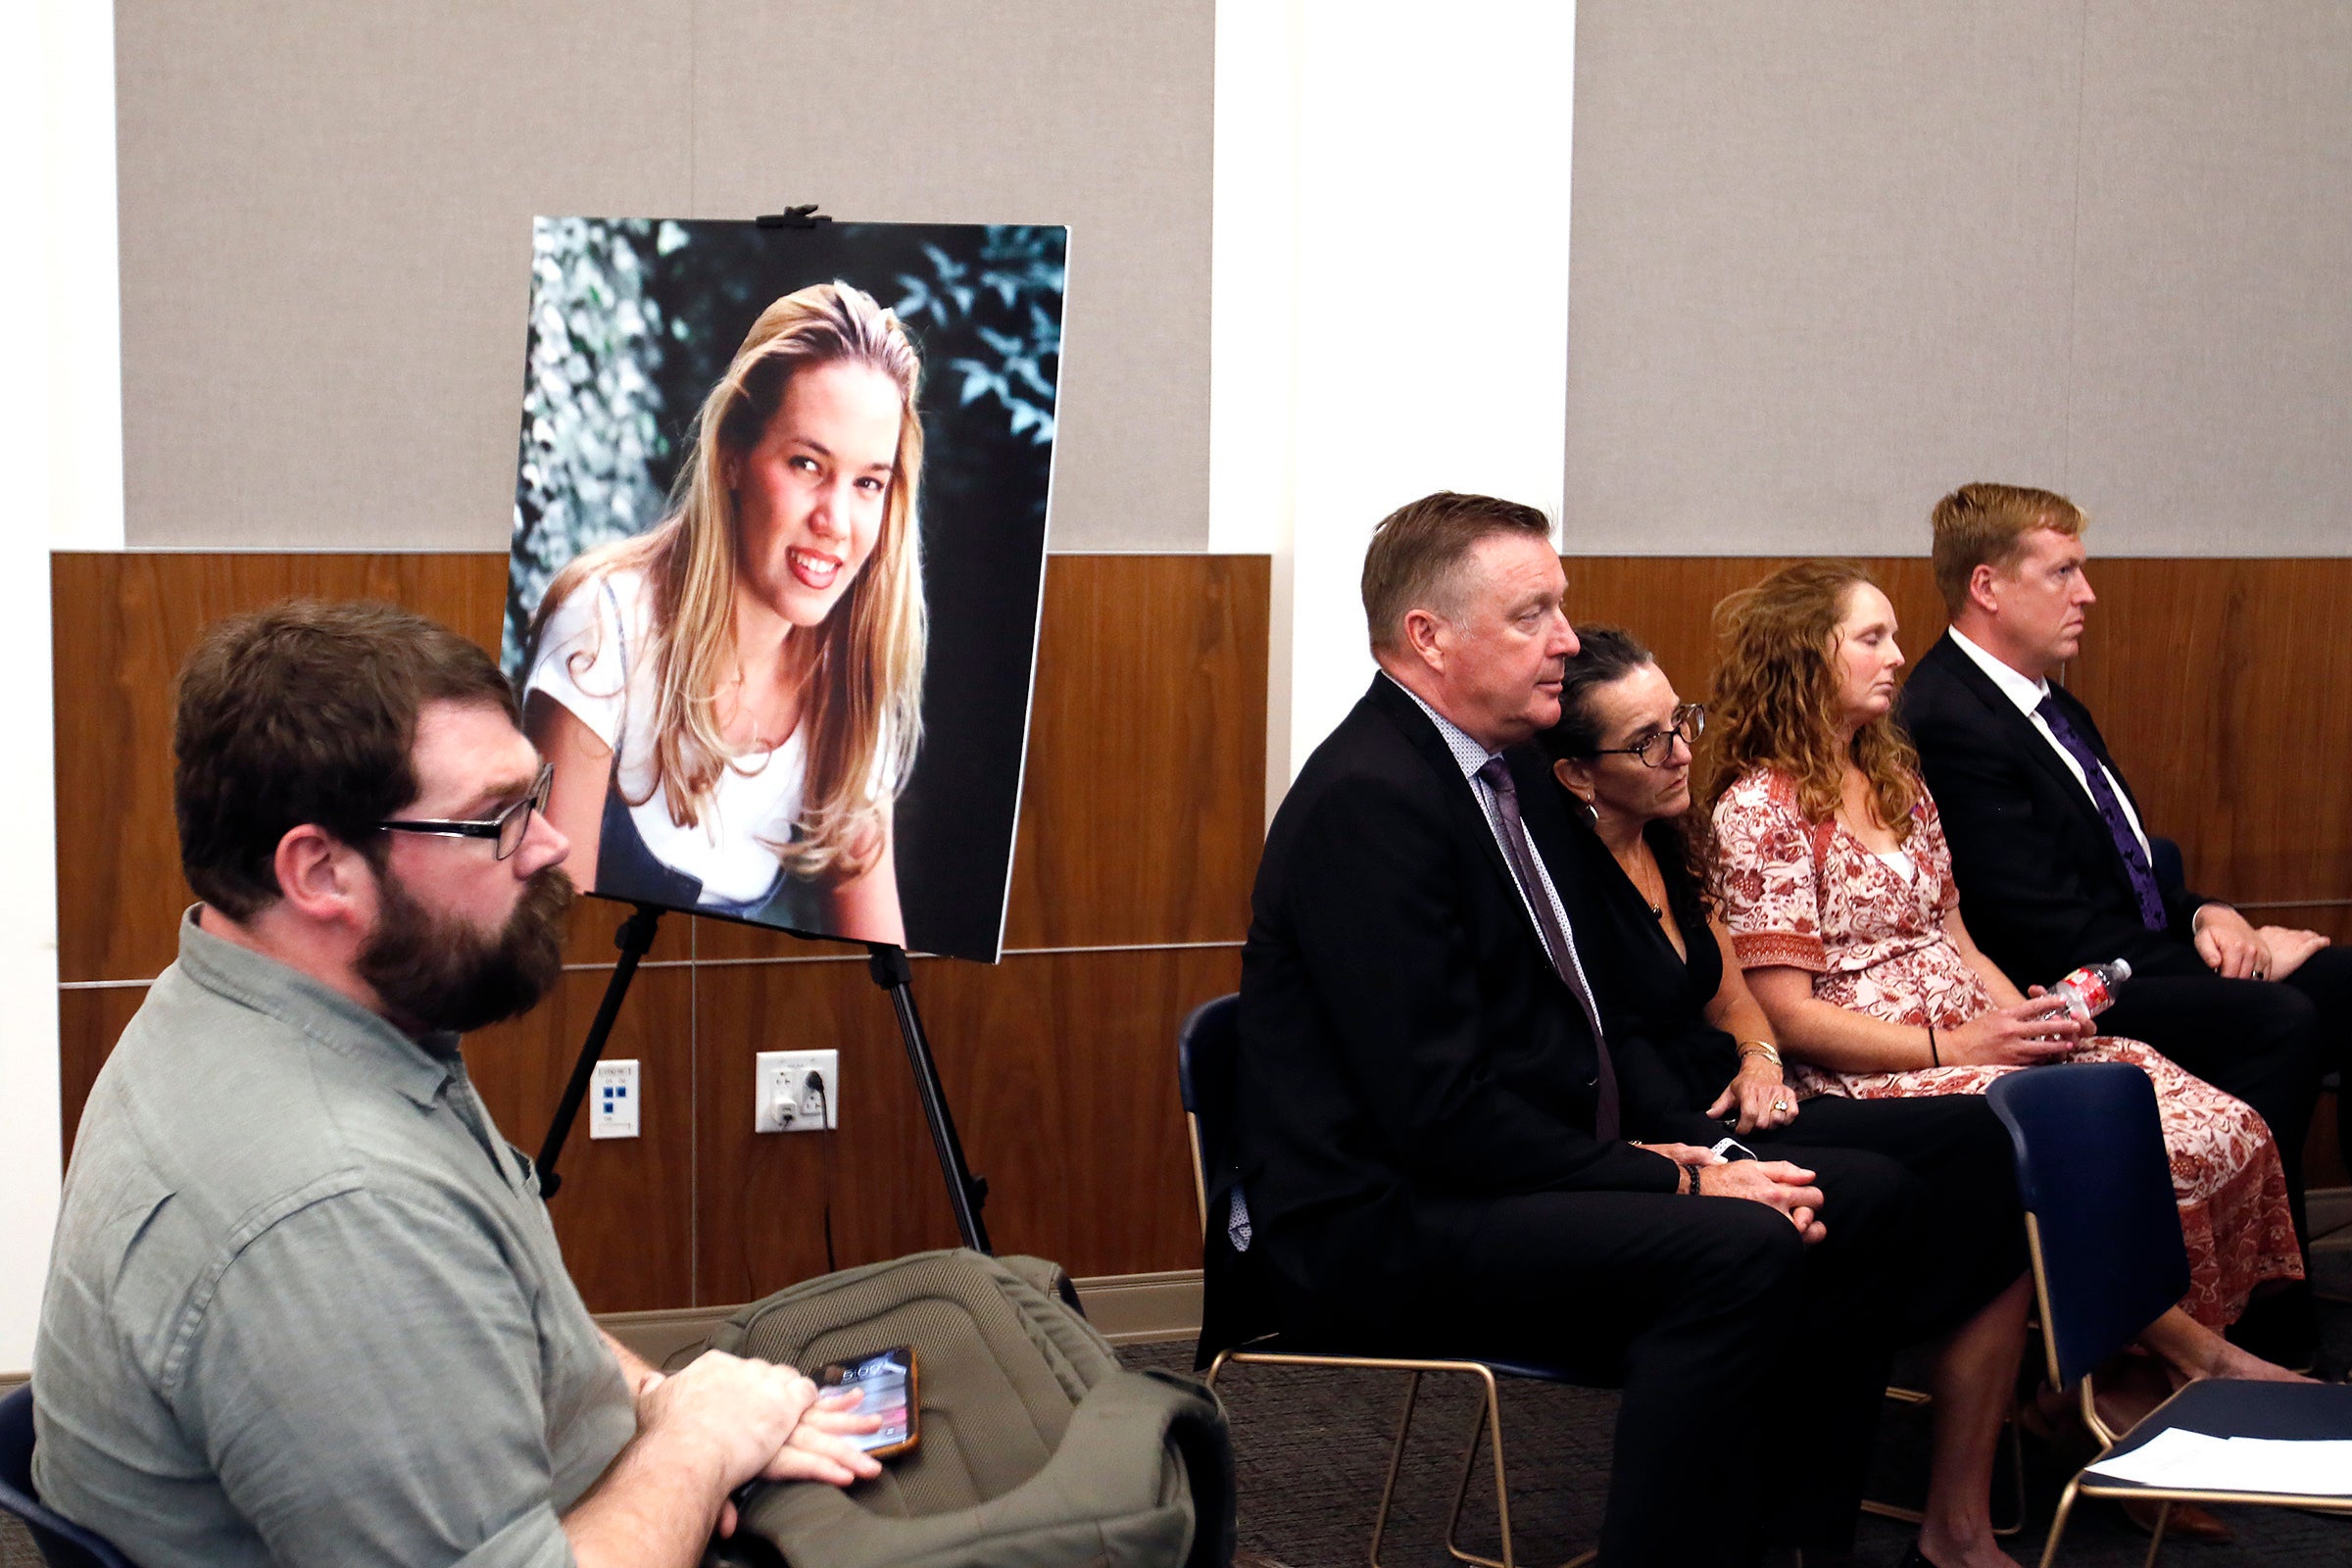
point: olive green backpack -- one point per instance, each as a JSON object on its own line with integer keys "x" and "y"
{"x": 1037, "y": 1449}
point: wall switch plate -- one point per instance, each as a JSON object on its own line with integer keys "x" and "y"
{"x": 787, "y": 1101}
{"x": 613, "y": 1101}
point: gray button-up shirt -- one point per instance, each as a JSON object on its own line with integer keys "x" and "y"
{"x": 305, "y": 1304}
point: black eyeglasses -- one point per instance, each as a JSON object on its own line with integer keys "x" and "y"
{"x": 1689, "y": 721}
{"x": 507, "y": 828}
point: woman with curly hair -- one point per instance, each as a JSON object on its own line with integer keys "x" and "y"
{"x": 731, "y": 701}
{"x": 1834, "y": 877}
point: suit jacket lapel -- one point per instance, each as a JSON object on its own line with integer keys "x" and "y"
{"x": 2088, "y": 728}
{"x": 2034, "y": 744}
{"x": 1470, "y": 819}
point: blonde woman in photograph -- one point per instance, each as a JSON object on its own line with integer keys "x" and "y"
{"x": 731, "y": 701}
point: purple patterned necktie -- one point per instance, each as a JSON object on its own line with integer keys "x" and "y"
{"x": 1497, "y": 776}
{"x": 2111, "y": 812}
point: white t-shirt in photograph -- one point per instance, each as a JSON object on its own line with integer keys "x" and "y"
{"x": 592, "y": 660}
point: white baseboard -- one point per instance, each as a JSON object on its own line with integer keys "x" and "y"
{"x": 1141, "y": 1309}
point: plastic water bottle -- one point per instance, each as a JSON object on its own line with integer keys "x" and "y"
{"x": 2090, "y": 990}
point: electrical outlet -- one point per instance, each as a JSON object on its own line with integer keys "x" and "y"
{"x": 795, "y": 1091}
{"x": 613, "y": 1101}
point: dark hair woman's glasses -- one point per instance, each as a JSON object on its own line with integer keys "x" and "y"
{"x": 507, "y": 828}
{"x": 1689, "y": 721}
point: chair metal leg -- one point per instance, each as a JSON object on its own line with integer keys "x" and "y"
{"x": 2164, "y": 1516}
{"x": 1388, "y": 1486}
{"x": 2066, "y": 1505}
{"x": 2017, "y": 1472}
{"x": 1488, "y": 1424}
{"x": 2013, "y": 1436}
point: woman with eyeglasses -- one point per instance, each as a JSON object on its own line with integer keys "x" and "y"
{"x": 1659, "y": 955}
{"x": 1835, "y": 882}
{"x": 1622, "y": 748}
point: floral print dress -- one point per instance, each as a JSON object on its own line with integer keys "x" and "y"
{"x": 1811, "y": 895}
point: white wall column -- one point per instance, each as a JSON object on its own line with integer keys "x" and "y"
{"x": 1400, "y": 323}
{"x": 60, "y": 442}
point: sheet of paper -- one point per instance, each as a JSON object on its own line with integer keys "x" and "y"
{"x": 2165, "y": 1459}
{"x": 2192, "y": 1460}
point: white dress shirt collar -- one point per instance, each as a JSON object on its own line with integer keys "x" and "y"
{"x": 1469, "y": 755}
{"x": 2026, "y": 693}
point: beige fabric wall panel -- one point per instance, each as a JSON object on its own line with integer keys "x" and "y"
{"x": 1830, "y": 260}
{"x": 1818, "y": 268}
{"x": 2213, "y": 346}
{"x": 326, "y": 215}
{"x": 1080, "y": 112}
{"x": 325, "y": 230}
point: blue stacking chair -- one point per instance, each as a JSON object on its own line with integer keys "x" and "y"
{"x": 63, "y": 1542}
{"x": 1237, "y": 1322}
{"x": 2108, "y": 1259}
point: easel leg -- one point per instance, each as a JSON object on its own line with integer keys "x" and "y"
{"x": 965, "y": 1191}
{"x": 634, "y": 939}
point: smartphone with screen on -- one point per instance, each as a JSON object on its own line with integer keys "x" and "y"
{"x": 887, "y": 1379}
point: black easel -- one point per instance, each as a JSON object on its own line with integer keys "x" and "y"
{"x": 890, "y": 970}
{"x": 634, "y": 939}
{"x": 965, "y": 1191}
{"x": 885, "y": 962}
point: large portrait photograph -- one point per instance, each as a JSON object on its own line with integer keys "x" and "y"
{"x": 779, "y": 540}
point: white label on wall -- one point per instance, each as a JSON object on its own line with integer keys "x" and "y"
{"x": 613, "y": 1099}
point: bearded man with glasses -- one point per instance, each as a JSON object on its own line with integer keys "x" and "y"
{"x": 305, "y": 1304}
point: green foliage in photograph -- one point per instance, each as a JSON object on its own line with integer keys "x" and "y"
{"x": 592, "y": 411}
{"x": 1010, "y": 299}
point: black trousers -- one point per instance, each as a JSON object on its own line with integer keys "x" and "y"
{"x": 1974, "y": 1245}
{"x": 1753, "y": 1367}
{"x": 2268, "y": 1042}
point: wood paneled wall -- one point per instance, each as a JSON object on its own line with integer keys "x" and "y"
{"x": 1140, "y": 826}
{"x": 2224, "y": 687}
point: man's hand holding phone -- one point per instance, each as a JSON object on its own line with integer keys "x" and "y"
{"x": 744, "y": 1410}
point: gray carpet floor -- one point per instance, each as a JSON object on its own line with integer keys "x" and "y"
{"x": 1310, "y": 1447}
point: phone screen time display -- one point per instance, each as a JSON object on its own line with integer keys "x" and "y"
{"x": 883, "y": 1379}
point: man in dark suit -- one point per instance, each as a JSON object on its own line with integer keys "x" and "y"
{"x": 1436, "y": 1122}
{"x": 2054, "y": 865}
